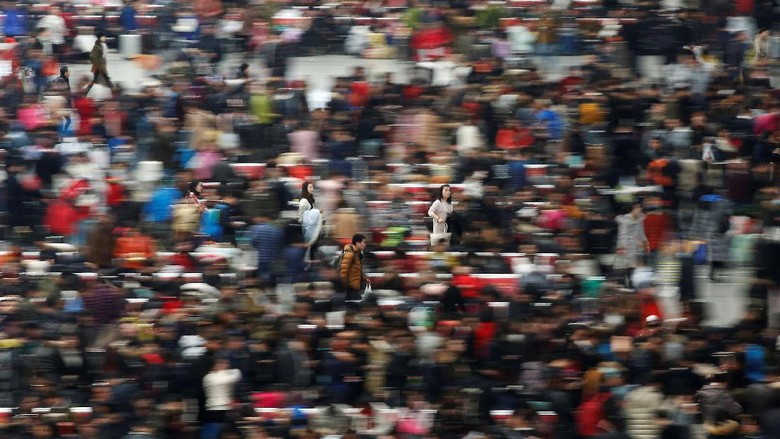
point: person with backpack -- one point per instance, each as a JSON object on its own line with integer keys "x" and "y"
{"x": 351, "y": 268}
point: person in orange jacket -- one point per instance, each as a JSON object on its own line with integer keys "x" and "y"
{"x": 135, "y": 249}
{"x": 351, "y": 269}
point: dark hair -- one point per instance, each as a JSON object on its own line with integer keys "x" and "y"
{"x": 305, "y": 192}
{"x": 193, "y": 187}
{"x": 99, "y": 35}
{"x": 358, "y": 237}
{"x": 628, "y": 208}
{"x": 63, "y": 70}
{"x": 440, "y": 193}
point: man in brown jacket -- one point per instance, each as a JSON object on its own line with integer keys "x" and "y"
{"x": 351, "y": 270}
{"x": 98, "y": 59}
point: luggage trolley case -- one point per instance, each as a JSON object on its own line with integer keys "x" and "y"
{"x": 129, "y": 45}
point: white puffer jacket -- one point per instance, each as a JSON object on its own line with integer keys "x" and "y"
{"x": 641, "y": 406}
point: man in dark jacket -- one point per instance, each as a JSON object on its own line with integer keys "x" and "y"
{"x": 99, "y": 68}
{"x": 60, "y": 86}
{"x": 292, "y": 367}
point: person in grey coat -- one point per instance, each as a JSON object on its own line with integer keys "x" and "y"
{"x": 719, "y": 247}
{"x": 710, "y": 223}
{"x": 631, "y": 241}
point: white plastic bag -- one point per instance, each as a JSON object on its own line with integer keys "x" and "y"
{"x": 708, "y": 155}
{"x": 438, "y": 237}
{"x": 367, "y": 292}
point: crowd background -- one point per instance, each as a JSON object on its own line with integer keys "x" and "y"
{"x": 160, "y": 279}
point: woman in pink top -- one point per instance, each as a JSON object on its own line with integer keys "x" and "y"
{"x": 441, "y": 208}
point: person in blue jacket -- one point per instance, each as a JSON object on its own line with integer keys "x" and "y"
{"x": 127, "y": 17}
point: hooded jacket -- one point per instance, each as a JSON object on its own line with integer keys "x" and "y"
{"x": 351, "y": 270}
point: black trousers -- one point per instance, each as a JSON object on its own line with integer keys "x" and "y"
{"x": 102, "y": 74}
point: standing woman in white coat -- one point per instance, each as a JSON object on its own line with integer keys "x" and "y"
{"x": 441, "y": 208}
{"x": 306, "y": 200}
{"x": 310, "y": 219}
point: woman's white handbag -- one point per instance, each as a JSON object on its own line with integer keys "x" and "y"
{"x": 438, "y": 237}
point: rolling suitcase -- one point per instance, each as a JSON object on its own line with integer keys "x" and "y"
{"x": 129, "y": 46}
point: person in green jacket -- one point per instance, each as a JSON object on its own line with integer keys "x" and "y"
{"x": 98, "y": 59}
{"x": 261, "y": 105}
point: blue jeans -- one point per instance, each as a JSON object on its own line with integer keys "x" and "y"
{"x": 210, "y": 430}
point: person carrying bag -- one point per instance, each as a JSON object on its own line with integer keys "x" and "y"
{"x": 438, "y": 238}
{"x": 439, "y": 210}
{"x": 351, "y": 273}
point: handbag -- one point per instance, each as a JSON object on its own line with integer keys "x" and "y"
{"x": 619, "y": 270}
{"x": 438, "y": 237}
{"x": 367, "y": 292}
{"x": 708, "y": 153}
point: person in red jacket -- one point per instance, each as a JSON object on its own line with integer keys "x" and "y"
{"x": 61, "y": 218}
{"x": 514, "y": 136}
{"x": 431, "y": 42}
{"x": 658, "y": 227}
{"x": 86, "y": 109}
{"x": 115, "y": 193}
{"x": 484, "y": 334}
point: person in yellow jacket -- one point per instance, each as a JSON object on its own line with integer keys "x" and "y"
{"x": 351, "y": 269}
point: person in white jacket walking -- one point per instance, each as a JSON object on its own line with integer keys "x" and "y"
{"x": 218, "y": 385}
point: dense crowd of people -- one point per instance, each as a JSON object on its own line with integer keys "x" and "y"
{"x": 486, "y": 250}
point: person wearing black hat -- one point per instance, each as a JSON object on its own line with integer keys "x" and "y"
{"x": 98, "y": 59}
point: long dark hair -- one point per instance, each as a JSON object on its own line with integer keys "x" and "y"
{"x": 305, "y": 192}
{"x": 440, "y": 193}
{"x": 192, "y": 187}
